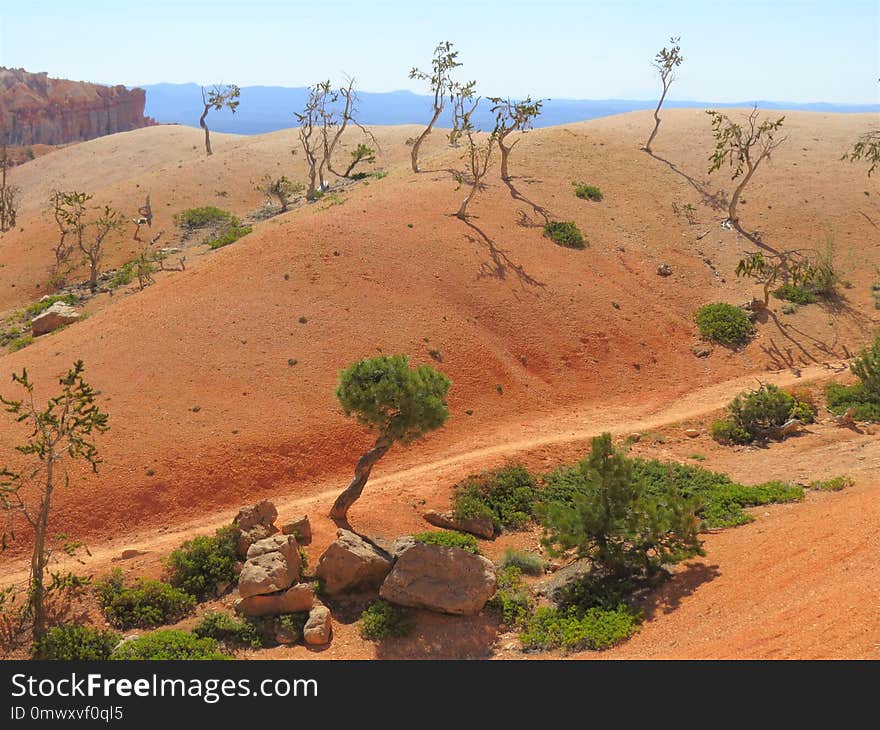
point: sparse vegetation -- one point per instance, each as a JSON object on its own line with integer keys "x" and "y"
{"x": 576, "y": 629}
{"x": 835, "y": 484}
{"x": 724, "y": 323}
{"x": 528, "y": 563}
{"x": 383, "y": 620}
{"x": 216, "y": 98}
{"x": 587, "y": 192}
{"x": 193, "y": 219}
{"x": 863, "y": 398}
{"x": 229, "y": 234}
{"x": 143, "y": 604}
{"x": 512, "y": 600}
{"x": 202, "y": 564}
{"x": 169, "y": 645}
{"x": 758, "y": 414}
{"x": 450, "y": 539}
{"x": 506, "y": 496}
{"x": 565, "y": 233}
{"x": 401, "y": 403}
{"x": 666, "y": 61}
{"x": 281, "y": 189}
{"x": 72, "y": 642}
{"x": 228, "y": 630}
{"x": 510, "y": 117}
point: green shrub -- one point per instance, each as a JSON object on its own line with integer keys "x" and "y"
{"x": 169, "y": 644}
{"x": 795, "y": 294}
{"x": 587, "y": 192}
{"x": 195, "y": 218}
{"x": 449, "y": 538}
{"x": 123, "y": 276}
{"x": 565, "y": 233}
{"x": 37, "y": 308}
{"x": 754, "y": 414}
{"x": 228, "y": 630}
{"x": 20, "y": 343}
{"x": 835, "y": 484}
{"x": 574, "y": 629}
{"x": 67, "y": 642}
{"x": 512, "y": 600}
{"x": 383, "y": 620}
{"x": 294, "y": 623}
{"x": 506, "y": 496}
{"x": 725, "y": 431}
{"x": 843, "y": 397}
{"x": 721, "y": 500}
{"x": 528, "y": 563}
{"x": 866, "y": 367}
{"x": 144, "y": 604}
{"x": 229, "y": 234}
{"x": 723, "y": 323}
{"x": 203, "y": 563}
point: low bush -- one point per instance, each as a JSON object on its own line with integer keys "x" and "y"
{"x": 384, "y": 620}
{"x": 512, "y": 600}
{"x": 727, "y": 432}
{"x": 795, "y": 294}
{"x": 202, "y": 564}
{"x": 123, "y": 276}
{"x": 574, "y": 629}
{"x": 71, "y": 642}
{"x": 228, "y": 630}
{"x": 506, "y": 496}
{"x": 835, "y": 484}
{"x": 587, "y": 192}
{"x": 724, "y": 323}
{"x": 169, "y": 644}
{"x": 229, "y": 234}
{"x": 20, "y": 343}
{"x": 294, "y": 623}
{"x": 565, "y": 233}
{"x": 144, "y": 604}
{"x": 754, "y": 414}
{"x": 840, "y": 398}
{"x": 449, "y": 538}
{"x": 528, "y": 563}
{"x": 195, "y": 218}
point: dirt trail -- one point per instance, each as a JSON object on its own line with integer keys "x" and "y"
{"x": 505, "y": 442}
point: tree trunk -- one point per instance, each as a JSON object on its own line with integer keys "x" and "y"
{"x": 93, "y": 275}
{"x": 361, "y": 473}
{"x": 38, "y": 559}
{"x": 204, "y": 125}
{"x": 505, "y": 153}
{"x": 734, "y": 200}
{"x": 421, "y": 138}
{"x": 310, "y": 192}
{"x": 462, "y": 210}
{"x": 656, "y": 120}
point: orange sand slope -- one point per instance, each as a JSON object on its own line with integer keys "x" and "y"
{"x": 195, "y": 369}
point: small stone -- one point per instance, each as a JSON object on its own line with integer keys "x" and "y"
{"x": 692, "y": 433}
{"x": 318, "y": 628}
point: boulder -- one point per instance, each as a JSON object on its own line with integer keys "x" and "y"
{"x": 284, "y": 544}
{"x": 300, "y": 597}
{"x": 256, "y": 522}
{"x": 352, "y": 564}
{"x": 692, "y": 433}
{"x": 58, "y": 315}
{"x": 267, "y": 573}
{"x": 448, "y": 580}
{"x": 479, "y": 526}
{"x": 318, "y": 628}
{"x": 554, "y": 587}
{"x": 300, "y": 528}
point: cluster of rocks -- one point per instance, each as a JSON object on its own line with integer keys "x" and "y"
{"x": 408, "y": 573}
{"x": 270, "y": 583}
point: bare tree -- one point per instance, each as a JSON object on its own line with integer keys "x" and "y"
{"x": 666, "y": 61}
{"x": 8, "y": 193}
{"x": 479, "y": 149}
{"x": 335, "y": 121}
{"x": 442, "y": 86}
{"x": 744, "y": 147}
{"x": 145, "y": 218}
{"x": 68, "y": 209}
{"x": 310, "y": 137}
{"x": 512, "y": 117}
{"x": 216, "y": 98}
{"x": 92, "y": 246}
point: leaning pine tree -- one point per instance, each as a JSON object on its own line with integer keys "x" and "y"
{"x": 400, "y": 403}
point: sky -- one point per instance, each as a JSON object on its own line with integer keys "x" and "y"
{"x": 734, "y": 50}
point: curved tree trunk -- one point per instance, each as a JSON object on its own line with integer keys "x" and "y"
{"x": 656, "y": 120}
{"x": 505, "y": 154}
{"x": 734, "y": 200}
{"x": 362, "y": 471}
{"x": 462, "y": 209}
{"x": 421, "y": 138}
{"x": 204, "y": 125}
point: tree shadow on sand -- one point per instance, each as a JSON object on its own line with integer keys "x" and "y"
{"x": 499, "y": 264}
{"x": 522, "y": 217}
{"x": 668, "y": 596}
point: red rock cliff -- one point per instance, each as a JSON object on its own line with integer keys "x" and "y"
{"x": 40, "y": 110}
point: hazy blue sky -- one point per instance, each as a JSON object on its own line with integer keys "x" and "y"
{"x": 735, "y": 50}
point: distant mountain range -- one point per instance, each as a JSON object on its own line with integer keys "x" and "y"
{"x": 269, "y": 108}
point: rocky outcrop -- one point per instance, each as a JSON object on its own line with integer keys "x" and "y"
{"x": 300, "y": 597}
{"x": 448, "y": 580}
{"x": 300, "y": 528}
{"x": 255, "y": 522}
{"x": 58, "y": 315}
{"x": 479, "y": 526}
{"x": 273, "y": 565}
{"x": 41, "y": 110}
{"x": 352, "y": 564}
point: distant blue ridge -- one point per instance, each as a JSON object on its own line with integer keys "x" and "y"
{"x": 270, "y": 108}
